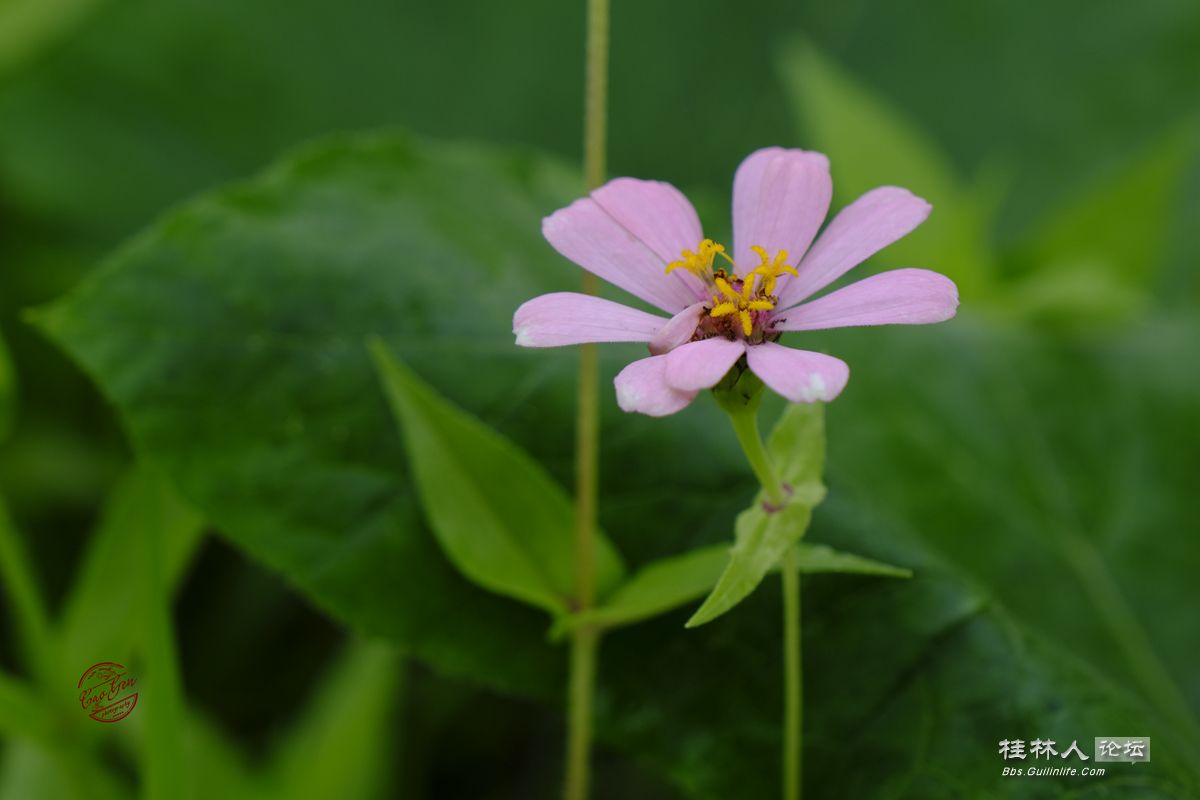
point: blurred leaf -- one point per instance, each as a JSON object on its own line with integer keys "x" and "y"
{"x": 961, "y": 451}
{"x": 1098, "y": 255}
{"x": 160, "y": 524}
{"x": 656, "y": 588}
{"x": 498, "y": 516}
{"x": 27, "y": 772}
{"x": 8, "y": 391}
{"x": 102, "y": 613}
{"x": 23, "y": 594}
{"x": 797, "y": 451}
{"x": 343, "y": 745}
{"x": 27, "y": 26}
{"x": 820, "y": 558}
{"x": 290, "y": 453}
{"x": 871, "y": 144}
{"x": 36, "y": 730}
{"x": 218, "y": 764}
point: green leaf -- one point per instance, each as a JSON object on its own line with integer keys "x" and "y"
{"x": 797, "y": 451}
{"x": 290, "y": 453}
{"x": 343, "y": 745}
{"x": 821, "y": 558}
{"x": 238, "y": 366}
{"x": 105, "y": 614}
{"x": 761, "y": 540}
{"x": 656, "y": 588}
{"x": 871, "y": 144}
{"x": 1097, "y": 255}
{"x": 27, "y": 26}
{"x": 498, "y": 516}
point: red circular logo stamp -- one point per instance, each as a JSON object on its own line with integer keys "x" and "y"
{"x": 106, "y": 692}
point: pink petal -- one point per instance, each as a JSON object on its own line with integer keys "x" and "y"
{"x": 801, "y": 376}
{"x": 700, "y": 365}
{"x": 861, "y": 229}
{"x": 561, "y": 318}
{"x": 653, "y": 211}
{"x": 780, "y": 198}
{"x": 588, "y": 235}
{"x": 678, "y": 330}
{"x": 898, "y": 297}
{"x": 642, "y": 387}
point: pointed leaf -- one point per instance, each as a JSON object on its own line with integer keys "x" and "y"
{"x": 656, "y": 588}
{"x": 498, "y": 516}
{"x": 821, "y": 558}
{"x": 762, "y": 539}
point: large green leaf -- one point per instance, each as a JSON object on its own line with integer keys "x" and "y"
{"x": 498, "y": 516}
{"x": 285, "y": 277}
{"x": 230, "y": 336}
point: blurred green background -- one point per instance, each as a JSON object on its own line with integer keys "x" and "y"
{"x": 1058, "y": 142}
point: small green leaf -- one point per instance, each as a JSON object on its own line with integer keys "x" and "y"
{"x": 821, "y": 558}
{"x": 797, "y": 450}
{"x": 762, "y": 539}
{"x": 871, "y": 144}
{"x": 655, "y": 589}
{"x": 498, "y": 516}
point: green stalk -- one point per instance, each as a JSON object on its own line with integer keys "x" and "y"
{"x": 585, "y": 641}
{"x": 793, "y": 715}
{"x": 745, "y": 425}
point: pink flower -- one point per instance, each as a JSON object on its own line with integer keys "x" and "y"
{"x": 645, "y": 237}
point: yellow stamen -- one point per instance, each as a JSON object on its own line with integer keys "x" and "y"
{"x": 700, "y": 262}
{"x": 727, "y": 290}
{"x": 722, "y": 309}
{"x": 770, "y": 270}
{"x": 747, "y": 322}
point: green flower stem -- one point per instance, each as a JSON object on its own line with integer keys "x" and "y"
{"x": 745, "y": 425}
{"x": 582, "y": 682}
{"x": 584, "y": 643}
{"x": 793, "y": 715}
{"x": 27, "y": 605}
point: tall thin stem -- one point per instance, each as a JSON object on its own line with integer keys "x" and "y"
{"x": 585, "y": 642}
{"x": 793, "y": 714}
{"x": 745, "y": 425}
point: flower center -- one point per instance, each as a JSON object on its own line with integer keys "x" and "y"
{"x": 736, "y": 301}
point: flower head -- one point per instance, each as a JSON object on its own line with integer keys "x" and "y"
{"x": 644, "y": 237}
